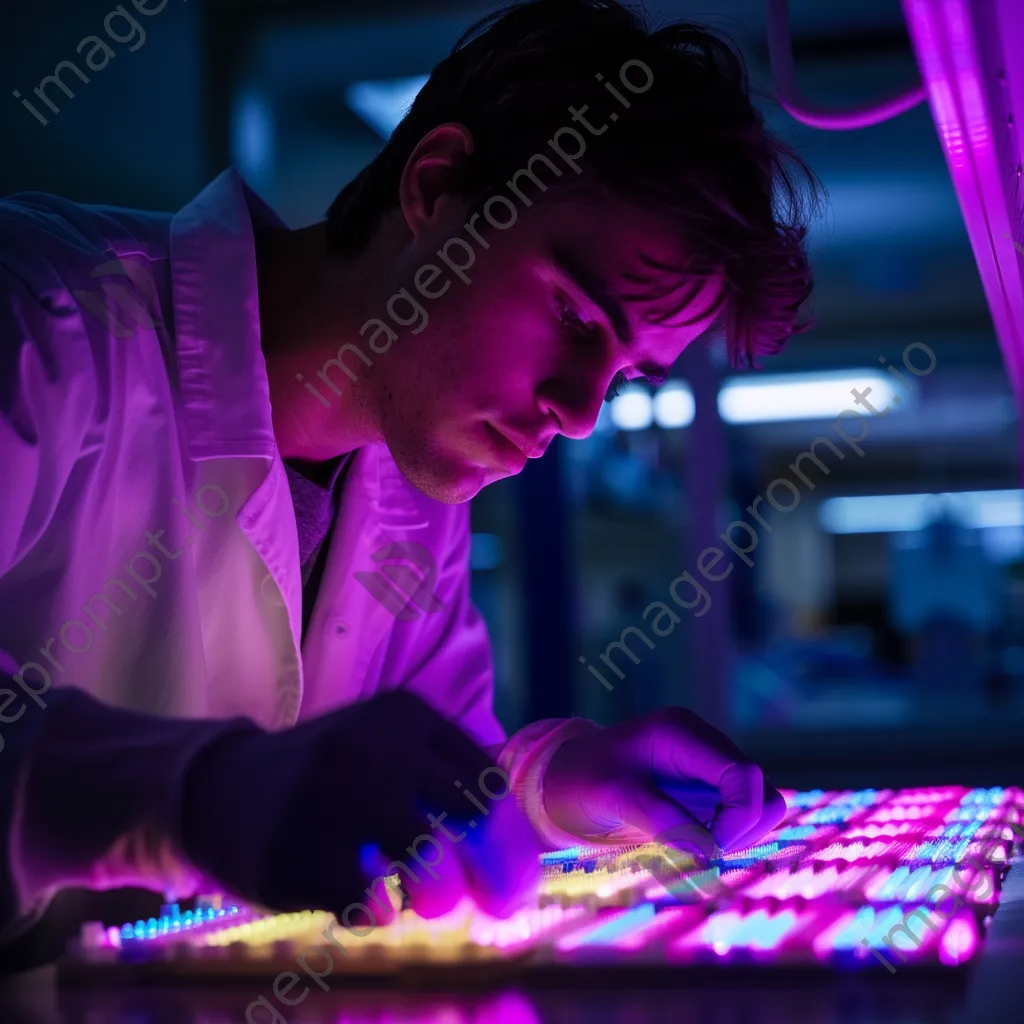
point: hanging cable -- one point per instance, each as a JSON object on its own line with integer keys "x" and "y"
{"x": 780, "y": 49}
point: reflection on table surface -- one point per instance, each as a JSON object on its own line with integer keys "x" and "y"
{"x": 875, "y": 998}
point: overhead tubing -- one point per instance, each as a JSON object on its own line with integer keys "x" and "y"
{"x": 780, "y": 49}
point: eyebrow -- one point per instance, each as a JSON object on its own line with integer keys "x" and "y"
{"x": 601, "y": 295}
{"x": 595, "y": 288}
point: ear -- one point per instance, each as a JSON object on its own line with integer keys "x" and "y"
{"x": 433, "y": 175}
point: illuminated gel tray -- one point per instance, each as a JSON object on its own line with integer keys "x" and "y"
{"x": 849, "y": 878}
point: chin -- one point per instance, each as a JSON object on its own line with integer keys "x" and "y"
{"x": 449, "y": 483}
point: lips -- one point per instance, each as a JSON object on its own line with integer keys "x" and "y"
{"x": 503, "y": 449}
{"x": 531, "y": 449}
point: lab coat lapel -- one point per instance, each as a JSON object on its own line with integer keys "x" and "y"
{"x": 355, "y": 614}
{"x": 225, "y": 409}
{"x": 268, "y": 521}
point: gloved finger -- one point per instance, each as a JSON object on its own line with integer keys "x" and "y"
{"x": 434, "y": 880}
{"x": 700, "y": 798}
{"x": 500, "y": 855}
{"x": 646, "y": 807}
{"x": 382, "y": 896}
{"x": 680, "y": 744}
{"x": 497, "y": 849}
{"x": 772, "y": 812}
{"x": 742, "y": 788}
{"x": 686, "y": 878}
{"x": 702, "y": 801}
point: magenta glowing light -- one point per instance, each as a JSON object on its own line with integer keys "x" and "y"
{"x": 673, "y": 920}
{"x": 925, "y": 31}
{"x": 853, "y": 851}
{"x": 846, "y": 875}
{"x": 760, "y": 931}
{"x": 506, "y": 1008}
{"x": 959, "y": 941}
{"x": 967, "y": 53}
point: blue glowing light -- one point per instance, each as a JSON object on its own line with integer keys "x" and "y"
{"x": 619, "y": 926}
{"x": 795, "y": 832}
{"x": 383, "y": 103}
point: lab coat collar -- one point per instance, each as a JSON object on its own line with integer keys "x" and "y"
{"x": 223, "y": 375}
{"x": 222, "y": 372}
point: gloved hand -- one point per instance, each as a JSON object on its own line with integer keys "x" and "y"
{"x": 647, "y": 778}
{"x": 307, "y": 818}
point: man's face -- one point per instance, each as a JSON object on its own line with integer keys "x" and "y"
{"x": 530, "y": 346}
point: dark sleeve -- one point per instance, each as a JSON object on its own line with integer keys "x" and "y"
{"x": 92, "y": 798}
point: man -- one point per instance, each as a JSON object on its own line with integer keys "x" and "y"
{"x": 219, "y": 436}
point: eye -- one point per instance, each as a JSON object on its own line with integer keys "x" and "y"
{"x": 570, "y": 321}
{"x": 573, "y": 324}
{"x": 620, "y": 380}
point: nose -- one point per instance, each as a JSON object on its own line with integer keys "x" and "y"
{"x": 573, "y": 401}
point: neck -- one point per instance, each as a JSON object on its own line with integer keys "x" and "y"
{"x": 309, "y": 306}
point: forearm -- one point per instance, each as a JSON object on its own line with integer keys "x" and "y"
{"x": 92, "y": 797}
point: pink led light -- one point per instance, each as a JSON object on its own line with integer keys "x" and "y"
{"x": 985, "y": 850}
{"x": 959, "y": 941}
{"x": 523, "y": 927}
{"x": 905, "y": 812}
{"x": 887, "y": 831}
{"x": 759, "y": 932}
{"x": 506, "y": 1008}
{"x": 712, "y": 935}
{"x": 886, "y": 814}
{"x": 779, "y": 885}
{"x": 981, "y": 888}
{"x": 805, "y": 883}
{"x": 657, "y": 892}
{"x": 965, "y": 64}
{"x": 929, "y": 795}
{"x": 627, "y": 880}
{"x": 802, "y": 905}
{"x": 730, "y": 881}
{"x": 925, "y": 35}
{"x": 853, "y": 851}
{"x": 675, "y": 919}
{"x": 812, "y": 884}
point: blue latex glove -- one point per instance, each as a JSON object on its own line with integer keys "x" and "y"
{"x": 668, "y": 776}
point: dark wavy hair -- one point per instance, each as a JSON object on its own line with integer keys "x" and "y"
{"x": 692, "y": 148}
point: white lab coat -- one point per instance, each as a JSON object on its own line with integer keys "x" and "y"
{"x": 148, "y": 544}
